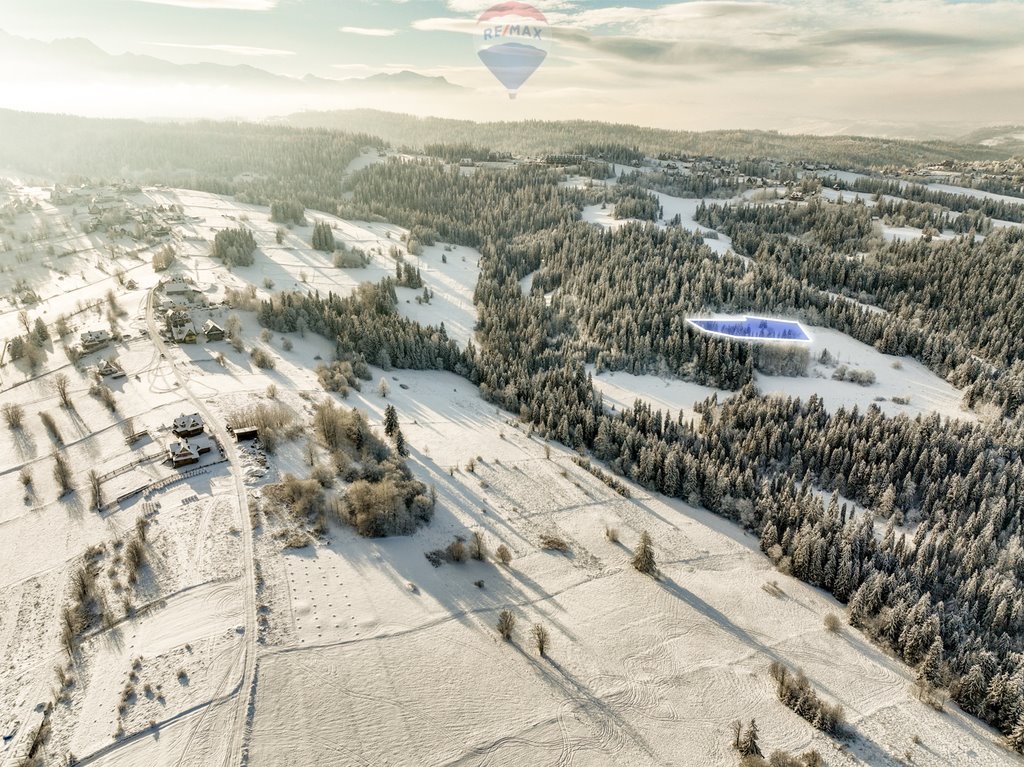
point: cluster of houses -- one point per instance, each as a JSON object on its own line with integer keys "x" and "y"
{"x": 184, "y": 452}
{"x": 180, "y": 296}
{"x": 113, "y": 210}
{"x": 192, "y": 441}
{"x": 183, "y": 331}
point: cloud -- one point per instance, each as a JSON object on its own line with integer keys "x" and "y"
{"x": 235, "y": 50}
{"x": 444, "y": 24}
{"x": 903, "y": 39}
{"x": 479, "y": 6}
{"x": 218, "y": 5}
{"x": 719, "y": 37}
{"x": 369, "y": 31}
{"x": 711, "y": 56}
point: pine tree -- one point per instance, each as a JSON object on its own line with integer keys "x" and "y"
{"x": 40, "y": 334}
{"x": 400, "y": 447}
{"x": 390, "y": 421}
{"x": 16, "y": 348}
{"x": 323, "y": 237}
{"x": 971, "y": 690}
{"x": 931, "y": 666}
{"x": 643, "y": 558}
{"x": 1016, "y": 736}
{"x": 748, "y": 743}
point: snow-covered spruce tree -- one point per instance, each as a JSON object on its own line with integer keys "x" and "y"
{"x": 643, "y": 557}
{"x": 1016, "y": 737}
{"x": 390, "y": 421}
{"x": 748, "y": 741}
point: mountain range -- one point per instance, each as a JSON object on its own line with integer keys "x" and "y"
{"x": 78, "y": 59}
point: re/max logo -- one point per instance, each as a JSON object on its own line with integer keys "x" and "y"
{"x": 512, "y": 30}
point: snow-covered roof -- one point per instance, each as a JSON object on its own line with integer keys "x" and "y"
{"x": 183, "y": 450}
{"x": 187, "y": 422}
{"x": 179, "y": 332}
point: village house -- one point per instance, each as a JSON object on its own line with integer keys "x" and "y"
{"x": 176, "y": 318}
{"x": 110, "y": 367}
{"x": 177, "y": 288}
{"x": 184, "y": 335}
{"x": 182, "y": 453}
{"x": 188, "y": 425}
{"x": 94, "y": 339}
{"x": 213, "y": 331}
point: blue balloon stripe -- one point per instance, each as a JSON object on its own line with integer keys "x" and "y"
{"x": 512, "y": 63}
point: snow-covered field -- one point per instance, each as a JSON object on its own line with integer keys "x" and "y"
{"x": 622, "y": 389}
{"x": 366, "y": 653}
{"x": 896, "y": 377}
{"x": 902, "y": 385}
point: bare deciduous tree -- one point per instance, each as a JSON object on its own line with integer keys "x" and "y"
{"x": 506, "y": 623}
{"x": 477, "y": 547}
{"x": 62, "y": 474}
{"x": 62, "y": 383}
{"x": 96, "y": 490}
{"x": 540, "y": 638}
{"x": 503, "y": 555}
{"x": 14, "y": 414}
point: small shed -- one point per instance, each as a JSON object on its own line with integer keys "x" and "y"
{"x": 246, "y": 433}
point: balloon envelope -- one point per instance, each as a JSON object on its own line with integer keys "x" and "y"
{"x": 512, "y": 63}
{"x": 512, "y": 41}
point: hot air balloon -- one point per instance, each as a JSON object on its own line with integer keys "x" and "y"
{"x": 512, "y": 42}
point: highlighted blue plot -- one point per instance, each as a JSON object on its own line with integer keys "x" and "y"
{"x": 753, "y": 329}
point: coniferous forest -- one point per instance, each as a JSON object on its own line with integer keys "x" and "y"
{"x": 947, "y": 596}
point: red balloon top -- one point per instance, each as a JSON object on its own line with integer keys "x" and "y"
{"x": 512, "y": 8}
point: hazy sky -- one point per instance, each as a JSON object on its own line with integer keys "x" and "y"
{"x": 796, "y": 64}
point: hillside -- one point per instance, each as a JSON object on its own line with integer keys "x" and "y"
{"x": 373, "y": 481}
{"x": 336, "y": 649}
{"x": 538, "y": 138}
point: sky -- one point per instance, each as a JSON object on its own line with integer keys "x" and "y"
{"x": 811, "y": 65}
